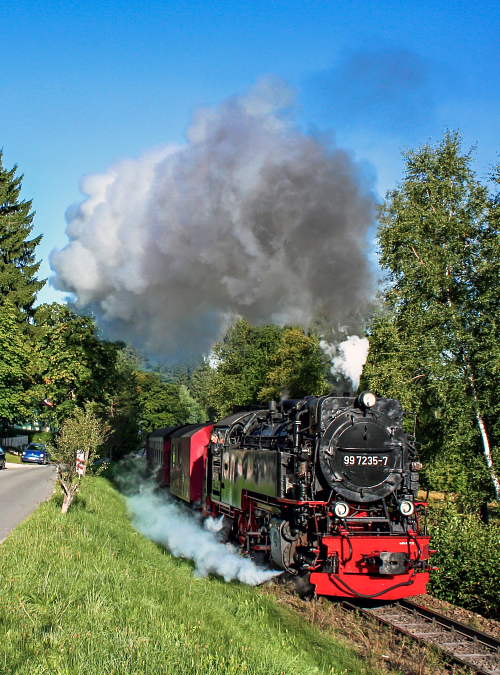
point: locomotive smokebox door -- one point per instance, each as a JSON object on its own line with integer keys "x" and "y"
{"x": 360, "y": 457}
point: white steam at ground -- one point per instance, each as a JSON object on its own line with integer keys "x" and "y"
{"x": 176, "y": 528}
{"x": 348, "y": 357}
{"x": 250, "y": 217}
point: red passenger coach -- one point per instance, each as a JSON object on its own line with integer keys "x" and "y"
{"x": 189, "y": 449}
{"x": 158, "y": 453}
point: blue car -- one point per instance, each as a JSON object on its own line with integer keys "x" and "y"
{"x": 2, "y": 458}
{"x": 36, "y": 453}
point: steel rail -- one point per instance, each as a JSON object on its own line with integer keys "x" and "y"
{"x": 462, "y": 643}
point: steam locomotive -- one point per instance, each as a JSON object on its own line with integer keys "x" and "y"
{"x": 324, "y": 488}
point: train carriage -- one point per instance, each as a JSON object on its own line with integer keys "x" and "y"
{"x": 189, "y": 449}
{"x": 158, "y": 444}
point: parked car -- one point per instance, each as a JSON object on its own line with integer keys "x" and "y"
{"x": 2, "y": 458}
{"x": 36, "y": 453}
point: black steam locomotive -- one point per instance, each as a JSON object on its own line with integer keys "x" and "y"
{"x": 322, "y": 487}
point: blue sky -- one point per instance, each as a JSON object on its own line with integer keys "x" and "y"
{"x": 84, "y": 84}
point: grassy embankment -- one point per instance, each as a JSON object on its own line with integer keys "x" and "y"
{"x": 86, "y": 593}
{"x": 16, "y": 459}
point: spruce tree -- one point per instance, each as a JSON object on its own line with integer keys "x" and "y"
{"x": 18, "y": 268}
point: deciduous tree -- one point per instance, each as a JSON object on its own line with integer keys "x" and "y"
{"x": 241, "y": 363}
{"x": 123, "y": 407}
{"x": 165, "y": 404}
{"x": 435, "y": 345}
{"x": 199, "y": 386}
{"x": 70, "y": 363}
{"x": 298, "y": 368}
{"x": 253, "y": 364}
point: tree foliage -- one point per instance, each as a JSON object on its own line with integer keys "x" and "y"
{"x": 18, "y": 267}
{"x": 242, "y": 361}
{"x": 299, "y": 367}
{"x": 18, "y": 288}
{"x": 199, "y": 386}
{"x": 468, "y": 561}
{"x": 164, "y": 404}
{"x": 70, "y": 364}
{"x": 14, "y": 360}
{"x": 257, "y": 363}
{"x": 435, "y": 343}
{"x": 123, "y": 408}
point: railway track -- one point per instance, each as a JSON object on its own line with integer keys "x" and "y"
{"x": 462, "y": 643}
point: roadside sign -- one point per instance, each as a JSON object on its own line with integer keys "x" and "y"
{"x": 81, "y": 464}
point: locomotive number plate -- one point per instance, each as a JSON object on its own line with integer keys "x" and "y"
{"x": 366, "y": 460}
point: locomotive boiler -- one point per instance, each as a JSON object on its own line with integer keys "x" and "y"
{"x": 322, "y": 487}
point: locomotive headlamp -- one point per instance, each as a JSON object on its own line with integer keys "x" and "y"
{"x": 406, "y": 507}
{"x": 367, "y": 399}
{"x": 341, "y": 509}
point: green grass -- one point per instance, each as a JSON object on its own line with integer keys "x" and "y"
{"x": 85, "y": 593}
{"x": 12, "y": 458}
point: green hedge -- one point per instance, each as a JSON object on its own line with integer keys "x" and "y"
{"x": 468, "y": 559}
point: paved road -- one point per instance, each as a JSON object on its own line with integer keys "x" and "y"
{"x": 22, "y": 488}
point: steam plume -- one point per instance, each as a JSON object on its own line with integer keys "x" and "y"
{"x": 174, "y": 527}
{"x": 250, "y": 217}
{"x": 348, "y": 357}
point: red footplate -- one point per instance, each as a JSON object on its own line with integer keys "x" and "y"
{"x": 367, "y": 586}
{"x": 357, "y": 564}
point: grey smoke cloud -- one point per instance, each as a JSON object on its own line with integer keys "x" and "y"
{"x": 249, "y": 217}
{"x": 380, "y": 88}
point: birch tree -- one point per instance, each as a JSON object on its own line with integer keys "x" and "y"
{"x": 436, "y": 343}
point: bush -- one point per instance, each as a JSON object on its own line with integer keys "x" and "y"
{"x": 468, "y": 559}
